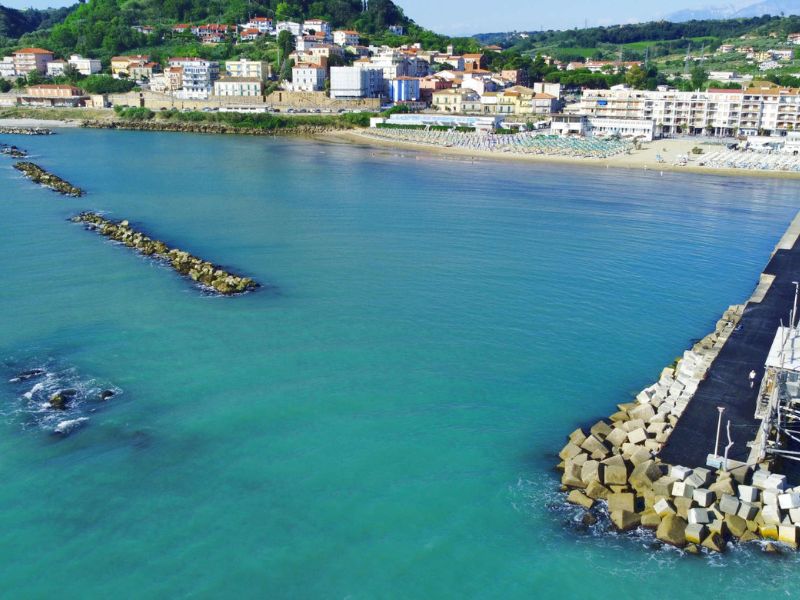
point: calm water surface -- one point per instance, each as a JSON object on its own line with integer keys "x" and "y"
{"x": 381, "y": 423}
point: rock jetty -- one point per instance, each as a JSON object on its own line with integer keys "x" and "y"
{"x": 12, "y": 151}
{"x": 25, "y": 131}
{"x": 203, "y": 272}
{"x": 615, "y": 466}
{"x": 38, "y": 175}
{"x": 201, "y": 127}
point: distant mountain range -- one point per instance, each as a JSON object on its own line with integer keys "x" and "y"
{"x": 736, "y": 11}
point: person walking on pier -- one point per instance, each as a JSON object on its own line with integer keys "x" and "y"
{"x": 752, "y": 378}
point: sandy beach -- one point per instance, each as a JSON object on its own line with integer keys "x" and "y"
{"x": 644, "y": 159}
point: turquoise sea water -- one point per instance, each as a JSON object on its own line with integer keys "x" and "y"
{"x": 382, "y": 422}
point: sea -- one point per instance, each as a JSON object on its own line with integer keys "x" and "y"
{"x": 381, "y": 418}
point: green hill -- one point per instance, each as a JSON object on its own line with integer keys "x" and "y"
{"x": 15, "y": 23}
{"x": 104, "y": 27}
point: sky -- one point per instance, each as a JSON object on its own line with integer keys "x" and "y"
{"x": 466, "y": 17}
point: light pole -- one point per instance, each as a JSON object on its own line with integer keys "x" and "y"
{"x": 721, "y": 410}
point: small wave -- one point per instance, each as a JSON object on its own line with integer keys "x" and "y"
{"x": 58, "y": 401}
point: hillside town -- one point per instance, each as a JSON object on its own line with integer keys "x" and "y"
{"x": 330, "y": 71}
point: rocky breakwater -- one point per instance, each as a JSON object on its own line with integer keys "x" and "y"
{"x": 12, "y": 151}
{"x": 38, "y": 175}
{"x": 614, "y": 467}
{"x": 25, "y": 131}
{"x": 201, "y": 127}
{"x": 203, "y": 272}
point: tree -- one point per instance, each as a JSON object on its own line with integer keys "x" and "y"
{"x": 5, "y": 86}
{"x": 699, "y": 77}
{"x": 71, "y": 73}
{"x": 636, "y": 77}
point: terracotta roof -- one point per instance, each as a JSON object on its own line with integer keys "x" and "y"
{"x": 33, "y": 51}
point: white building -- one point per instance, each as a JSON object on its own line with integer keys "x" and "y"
{"x": 248, "y": 68}
{"x": 356, "y": 82}
{"x": 602, "y": 127}
{"x": 317, "y": 26}
{"x": 85, "y": 66}
{"x": 238, "y": 86}
{"x": 716, "y": 111}
{"x": 346, "y": 37}
{"x": 198, "y": 76}
{"x": 308, "y": 77}
{"x": 56, "y": 68}
{"x": 304, "y": 43}
{"x": 294, "y": 28}
{"x": 261, "y": 24}
{"x": 7, "y": 70}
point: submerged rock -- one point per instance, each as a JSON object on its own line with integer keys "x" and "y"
{"x": 12, "y": 151}
{"x": 38, "y": 175}
{"x": 26, "y": 375}
{"x": 107, "y": 394}
{"x": 203, "y": 272}
{"x": 62, "y": 398}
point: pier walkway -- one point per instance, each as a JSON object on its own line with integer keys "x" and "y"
{"x": 727, "y": 382}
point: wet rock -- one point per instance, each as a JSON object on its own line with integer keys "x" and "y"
{"x": 201, "y": 127}
{"x": 770, "y": 548}
{"x": 201, "y": 271}
{"x": 62, "y": 398}
{"x": 672, "y": 530}
{"x": 27, "y": 375}
{"x": 588, "y": 519}
{"x": 107, "y": 394}
{"x": 579, "y": 498}
{"x": 25, "y": 131}
{"x": 38, "y": 175}
{"x": 692, "y": 549}
{"x": 12, "y": 151}
{"x": 714, "y": 542}
{"x": 624, "y": 520}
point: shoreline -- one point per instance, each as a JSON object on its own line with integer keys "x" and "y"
{"x": 641, "y": 160}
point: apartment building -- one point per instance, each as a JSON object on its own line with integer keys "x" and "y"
{"x": 767, "y": 109}
{"x": 198, "y": 75}
{"x": 248, "y": 68}
{"x": 308, "y": 77}
{"x": 29, "y": 60}
{"x": 238, "y": 86}
{"x": 356, "y": 82}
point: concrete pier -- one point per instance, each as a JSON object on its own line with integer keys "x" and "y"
{"x": 727, "y": 383}
{"x": 658, "y": 461}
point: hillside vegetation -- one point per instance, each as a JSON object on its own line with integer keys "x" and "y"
{"x": 660, "y": 38}
{"x": 15, "y": 23}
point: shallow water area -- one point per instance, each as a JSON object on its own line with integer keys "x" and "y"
{"x": 386, "y": 425}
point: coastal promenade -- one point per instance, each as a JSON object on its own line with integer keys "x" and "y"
{"x": 727, "y": 384}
